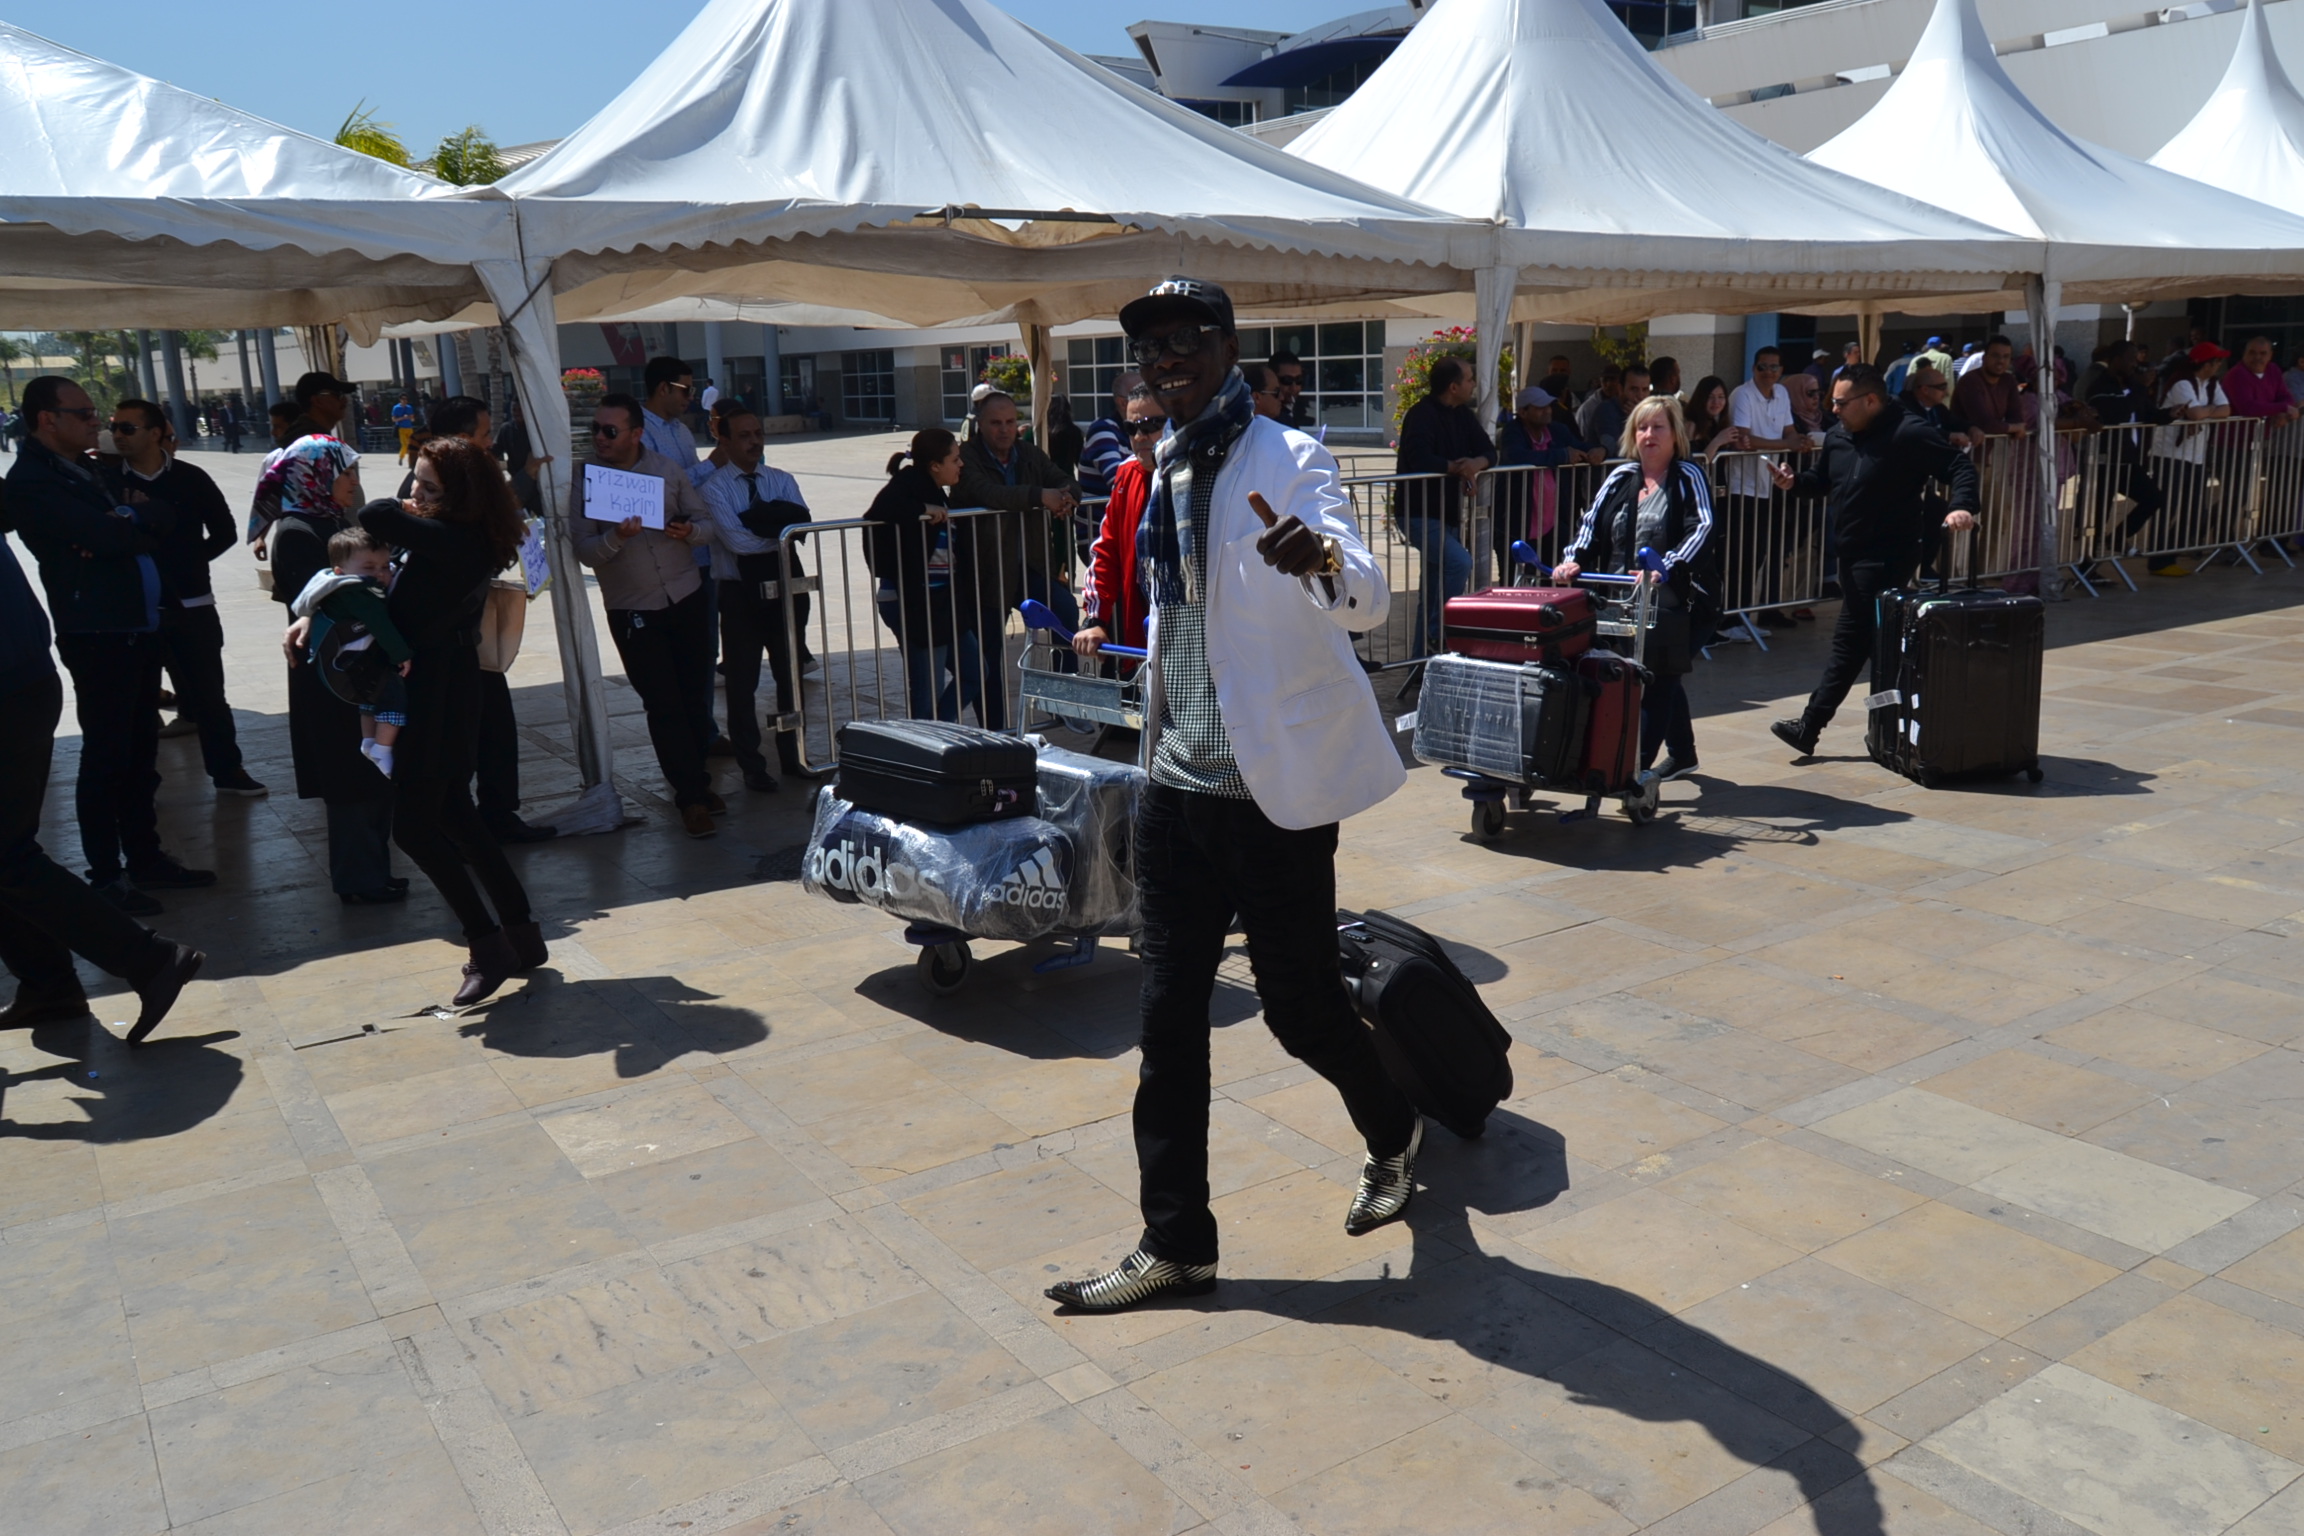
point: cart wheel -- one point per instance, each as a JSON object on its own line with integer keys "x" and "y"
{"x": 943, "y": 967}
{"x": 1643, "y": 804}
{"x": 2035, "y": 773}
{"x": 1487, "y": 818}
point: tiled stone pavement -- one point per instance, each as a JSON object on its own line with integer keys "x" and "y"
{"x": 1882, "y": 1161}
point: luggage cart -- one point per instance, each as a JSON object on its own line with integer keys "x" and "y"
{"x": 945, "y": 959}
{"x": 1630, "y": 615}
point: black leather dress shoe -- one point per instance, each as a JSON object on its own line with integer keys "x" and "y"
{"x": 32, "y": 1007}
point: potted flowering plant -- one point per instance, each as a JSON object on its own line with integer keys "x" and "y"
{"x": 582, "y": 389}
{"x": 1414, "y": 380}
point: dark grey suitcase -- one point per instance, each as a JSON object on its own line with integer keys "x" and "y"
{"x": 1522, "y": 724}
{"x": 1956, "y": 679}
{"x": 940, "y": 774}
{"x": 1433, "y": 1032}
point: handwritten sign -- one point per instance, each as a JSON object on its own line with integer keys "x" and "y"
{"x": 535, "y": 563}
{"x": 612, "y": 495}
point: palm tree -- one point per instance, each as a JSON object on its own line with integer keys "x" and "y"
{"x": 468, "y": 159}
{"x": 364, "y": 132}
{"x": 12, "y": 351}
{"x": 198, "y": 347}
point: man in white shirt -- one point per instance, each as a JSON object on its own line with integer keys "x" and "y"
{"x": 1762, "y": 406}
{"x": 751, "y": 505}
{"x": 710, "y": 397}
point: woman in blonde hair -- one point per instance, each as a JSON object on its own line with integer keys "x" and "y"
{"x": 1662, "y": 501}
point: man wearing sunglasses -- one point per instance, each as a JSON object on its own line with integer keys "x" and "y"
{"x": 1265, "y": 734}
{"x": 1288, "y": 373}
{"x": 97, "y": 552}
{"x": 658, "y": 612}
{"x": 191, "y": 632}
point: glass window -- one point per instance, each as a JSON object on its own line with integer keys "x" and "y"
{"x": 1330, "y": 89}
{"x": 963, "y": 370}
{"x": 1232, "y": 114}
{"x": 1093, "y": 365}
{"x": 868, "y": 386}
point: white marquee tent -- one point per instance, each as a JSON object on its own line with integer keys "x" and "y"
{"x": 2248, "y": 137}
{"x": 1525, "y": 111}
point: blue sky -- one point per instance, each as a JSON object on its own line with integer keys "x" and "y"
{"x": 532, "y": 69}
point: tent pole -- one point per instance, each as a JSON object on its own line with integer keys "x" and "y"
{"x": 2041, "y": 296}
{"x": 1036, "y": 351}
{"x": 522, "y": 294}
{"x": 247, "y": 381}
{"x": 1523, "y": 348}
{"x": 1868, "y": 335}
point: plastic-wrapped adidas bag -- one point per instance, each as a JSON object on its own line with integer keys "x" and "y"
{"x": 995, "y": 880}
{"x": 1092, "y": 801}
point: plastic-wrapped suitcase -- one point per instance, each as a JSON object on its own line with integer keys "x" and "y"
{"x": 1610, "y": 763}
{"x": 1092, "y": 801}
{"x": 1521, "y": 724}
{"x": 1433, "y": 1032}
{"x": 1519, "y": 624}
{"x": 1956, "y": 681}
{"x": 1007, "y": 879}
{"x": 938, "y": 773}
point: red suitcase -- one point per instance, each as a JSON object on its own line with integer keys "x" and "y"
{"x": 1612, "y": 731}
{"x": 1518, "y": 625}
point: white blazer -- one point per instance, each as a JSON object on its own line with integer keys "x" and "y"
{"x": 1297, "y": 704}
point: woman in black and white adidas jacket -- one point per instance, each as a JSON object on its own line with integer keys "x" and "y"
{"x": 1662, "y": 501}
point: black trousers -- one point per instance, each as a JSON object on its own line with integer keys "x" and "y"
{"x": 116, "y": 694}
{"x": 499, "y": 760}
{"x": 749, "y": 624}
{"x": 664, "y": 651}
{"x": 47, "y": 915}
{"x": 1856, "y": 636}
{"x": 360, "y": 845}
{"x": 2136, "y": 483}
{"x": 1665, "y": 721}
{"x": 433, "y": 818}
{"x": 1199, "y": 859}
{"x": 192, "y": 645}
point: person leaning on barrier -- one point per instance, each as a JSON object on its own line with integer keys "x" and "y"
{"x": 1664, "y": 376}
{"x": 1709, "y": 429}
{"x": 1660, "y": 501}
{"x": 751, "y": 506}
{"x": 658, "y": 613}
{"x": 1927, "y": 395}
{"x": 2190, "y": 397}
{"x": 1265, "y": 735}
{"x": 1114, "y": 597}
{"x": 1105, "y": 448}
{"x": 1874, "y": 473}
{"x": 1000, "y": 471}
{"x": 2257, "y": 388}
{"x": 921, "y": 562}
{"x": 2120, "y": 398}
{"x": 1441, "y": 436}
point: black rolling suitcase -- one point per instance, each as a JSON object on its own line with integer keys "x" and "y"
{"x": 1522, "y": 724}
{"x": 1957, "y": 685}
{"x": 940, "y": 774}
{"x": 1434, "y": 1035}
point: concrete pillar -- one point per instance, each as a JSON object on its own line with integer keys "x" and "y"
{"x": 451, "y": 367}
{"x": 715, "y": 359}
{"x": 772, "y": 373}
{"x": 247, "y": 380}
{"x": 268, "y": 365}
{"x": 179, "y": 402}
{"x": 147, "y": 383}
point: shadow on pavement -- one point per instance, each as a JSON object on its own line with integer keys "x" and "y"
{"x": 646, "y": 1022}
{"x": 1600, "y": 1347}
{"x": 164, "y": 1087}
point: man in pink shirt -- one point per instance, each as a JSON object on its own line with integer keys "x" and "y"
{"x": 2257, "y": 388}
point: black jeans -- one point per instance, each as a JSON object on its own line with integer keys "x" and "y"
{"x": 664, "y": 651}
{"x": 1665, "y": 721}
{"x": 433, "y": 818}
{"x": 46, "y": 914}
{"x": 192, "y": 645}
{"x": 499, "y": 761}
{"x": 701, "y": 678}
{"x": 2136, "y": 483}
{"x": 1199, "y": 859}
{"x": 116, "y": 694}
{"x": 749, "y": 624}
{"x": 360, "y": 845}
{"x": 1855, "y": 637}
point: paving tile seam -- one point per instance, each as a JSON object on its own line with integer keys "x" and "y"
{"x": 1977, "y": 1496}
{"x": 749, "y": 1501}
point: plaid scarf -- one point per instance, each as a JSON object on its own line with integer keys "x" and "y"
{"x": 1183, "y": 479}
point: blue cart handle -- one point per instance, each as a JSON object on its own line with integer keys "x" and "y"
{"x": 1038, "y": 615}
{"x": 1524, "y": 553}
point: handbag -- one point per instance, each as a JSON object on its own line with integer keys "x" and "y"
{"x": 503, "y": 620}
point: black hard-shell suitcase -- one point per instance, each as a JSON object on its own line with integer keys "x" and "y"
{"x": 1522, "y": 724}
{"x": 938, "y": 773}
{"x": 1956, "y": 680}
{"x": 1435, "y": 1036}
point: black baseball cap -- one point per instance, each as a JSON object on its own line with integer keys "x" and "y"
{"x": 1179, "y": 298}
{"x": 319, "y": 383}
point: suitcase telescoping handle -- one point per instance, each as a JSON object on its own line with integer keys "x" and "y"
{"x": 1038, "y": 616}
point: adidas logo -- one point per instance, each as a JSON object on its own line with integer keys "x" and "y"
{"x": 867, "y": 875}
{"x": 1036, "y": 886}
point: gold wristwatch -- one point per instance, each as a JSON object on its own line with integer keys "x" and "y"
{"x": 1333, "y": 564}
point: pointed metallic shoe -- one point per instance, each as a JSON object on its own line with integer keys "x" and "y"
{"x": 1385, "y": 1185}
{"x": 1139, "y": 1278}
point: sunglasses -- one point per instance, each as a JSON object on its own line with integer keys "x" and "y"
{"x": 609, "y": 434}
{"x": 1262, "y": 394}
{"x": 1184, "y": 341}
{"x": 125, "y": 429}
{"x": 1150, "y": 426}
{"x": 1291, "y": 381}
{"x": 84, "y": 412}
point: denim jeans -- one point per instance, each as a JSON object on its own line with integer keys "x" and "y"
{"x": 1447, "y": 569}
{"x": 928, "y": 686}
{"x": 1199, "y": 859}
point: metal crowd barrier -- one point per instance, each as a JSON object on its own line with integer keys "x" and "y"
{"x": 2224, "y": 488}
